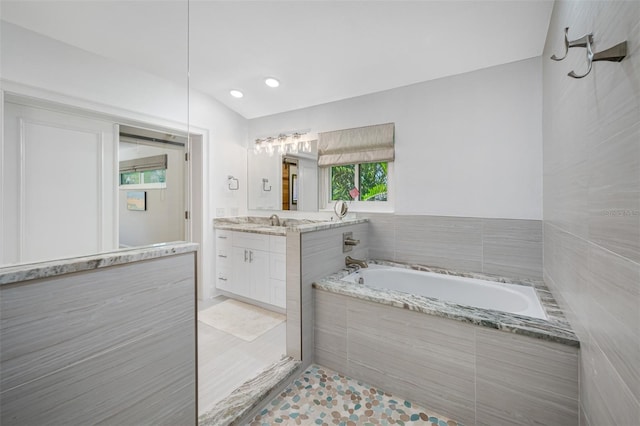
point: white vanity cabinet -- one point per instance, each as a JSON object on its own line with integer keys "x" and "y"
{"x": 252, "y": 266}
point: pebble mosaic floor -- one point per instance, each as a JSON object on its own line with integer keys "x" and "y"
{"x": 323, "y": 397}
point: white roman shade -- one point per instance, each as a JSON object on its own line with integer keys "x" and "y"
{"x": 369, "y": 144}
{"x": 156, "y": 162}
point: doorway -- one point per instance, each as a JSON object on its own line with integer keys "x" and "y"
{"x": 152, "y": 183}
{"x": 289, "y": 183}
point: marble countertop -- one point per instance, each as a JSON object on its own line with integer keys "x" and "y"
{"x": 250, "y": 394}
{"x": 261, "y": 225}
{"x": 33, "y": 271}
{"x": 555, "y": 328}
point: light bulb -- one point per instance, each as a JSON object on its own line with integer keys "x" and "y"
{"x": 271, "y": 82}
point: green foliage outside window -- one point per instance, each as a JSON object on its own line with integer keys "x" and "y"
{"x": 342, "y": 181}
{"x": 371, "y": 183}
{"x": 148, "y": 176}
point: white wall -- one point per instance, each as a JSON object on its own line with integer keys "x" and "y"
{"x": 38, "y": 66}
{"x": 467, "y": 145}
{"x": 224, "y": 155}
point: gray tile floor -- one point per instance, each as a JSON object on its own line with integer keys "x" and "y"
{"x": 225, "y": 361}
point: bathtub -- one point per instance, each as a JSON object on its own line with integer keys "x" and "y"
{"x": 512, "y": 298}
{"x": 469, "y": 346}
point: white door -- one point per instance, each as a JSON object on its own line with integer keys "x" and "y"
{"x": 59, "y": 185}
{"x": 307, "y": 185}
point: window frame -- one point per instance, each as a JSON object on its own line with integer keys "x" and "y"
{"x": 326, "y": 204}
{"x": 152, "y": 185}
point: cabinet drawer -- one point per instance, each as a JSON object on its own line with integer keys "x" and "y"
{"x": 251, "y": 241}
{"x": 277, "y": 244}
{"x": 223, "y": 279}
{"x": 223, "y": 254}
{"x": 223, "y": 239}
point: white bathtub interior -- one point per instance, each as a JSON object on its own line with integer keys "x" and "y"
{"x": 513, "y": 298}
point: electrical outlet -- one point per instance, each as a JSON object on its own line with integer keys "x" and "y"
{"x": 234, "y": 211}
{"x": 220, "y": 211}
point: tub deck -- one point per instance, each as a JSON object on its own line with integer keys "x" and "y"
{"x": 555, "y": 328}
{"x": 479, "y": 366}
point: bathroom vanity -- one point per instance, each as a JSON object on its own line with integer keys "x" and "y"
{"x": 252, "y": 265}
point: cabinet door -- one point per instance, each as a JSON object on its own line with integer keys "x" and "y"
{"x": 278, "y": 289}
{"x": 259, "y": 275}
{"x": 241, "y": 272}
{"x": 278, "y": 266}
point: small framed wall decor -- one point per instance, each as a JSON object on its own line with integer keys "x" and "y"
{"x": 137, "y": 200}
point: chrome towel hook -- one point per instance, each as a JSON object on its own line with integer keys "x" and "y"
{"x": 614, "y": 54}
{"x": 581, "y": 42}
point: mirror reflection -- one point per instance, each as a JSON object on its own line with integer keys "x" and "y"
{"x": 85, "y": 110}
{"x": 287, "y": 182}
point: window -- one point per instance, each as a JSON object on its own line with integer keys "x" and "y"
{"x": 359, "y": 182}
{"x": 146, "y": 177}
{"x": 144, "y": 173}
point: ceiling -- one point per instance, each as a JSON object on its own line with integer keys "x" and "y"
{"x": 321, "y": 51}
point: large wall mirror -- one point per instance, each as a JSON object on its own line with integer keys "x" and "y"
{"x": 287, "y": 182}
{"x": 80, "y": 98}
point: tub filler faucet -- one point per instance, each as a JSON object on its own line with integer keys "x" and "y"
{"x": 351, "y": 261}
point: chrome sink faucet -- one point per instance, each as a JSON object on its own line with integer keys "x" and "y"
{"x": 351, "y": 261}
{"x": 275, "y": 220}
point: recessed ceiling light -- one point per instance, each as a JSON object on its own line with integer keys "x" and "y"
{"x": 236, "y": 93}
{"x": 271, "y": 82}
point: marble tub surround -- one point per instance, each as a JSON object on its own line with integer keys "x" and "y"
{"x": 475, "y": 374}
{"x": 262, "y": 225}
{"x": 555, "y": 328}
{"x": 251, "y": 394}
{"x": 38, "y": 270}
{"x": 320, "y": 396}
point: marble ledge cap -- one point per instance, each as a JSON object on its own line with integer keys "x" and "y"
{"x": 51, "y": 268}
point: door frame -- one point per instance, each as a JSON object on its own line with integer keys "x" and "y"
{"x": 195, "y": 185}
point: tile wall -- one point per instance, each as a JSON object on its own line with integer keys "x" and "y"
{"x": 113, "y": 345}
{"x": 591, "y": 173}
{"x": 320, "y": 255}
{"x": 475, "y": 375}
{"x": 507, "y": 247}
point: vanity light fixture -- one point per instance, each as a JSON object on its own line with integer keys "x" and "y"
{"x": 236, "y": 93}
{"x": 284, "y": 143}
{"x": 271, "y": 82}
